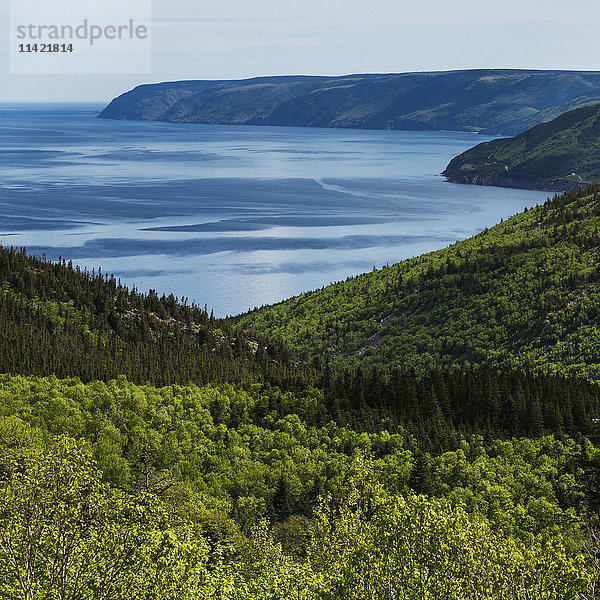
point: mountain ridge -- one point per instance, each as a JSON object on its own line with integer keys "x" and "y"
{"x": 490, "y": 101}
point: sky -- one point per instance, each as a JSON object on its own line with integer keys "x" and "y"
{"x": 234, "y": 39}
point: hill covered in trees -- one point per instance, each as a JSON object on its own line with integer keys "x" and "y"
{"x": 523, "y": 295}
{"x": 492, "y": 101}
{"x": 59, "y": 321}
{"x": 559, "y": 155}
{"x": 429, "y": 430}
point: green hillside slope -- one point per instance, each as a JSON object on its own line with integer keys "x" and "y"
{"x": 562, "y": 154}
{"x": 487, "y": 100}
{"x": 175, "y": 456}
{"x": 58, "y": 320}
{"x": 524, "y": 294}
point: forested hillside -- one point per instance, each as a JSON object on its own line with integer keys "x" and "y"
{"x": 559, "y": 155}
{"x": 58, "y": 320}
{"x": 522, "y": 295}
{"x": 65, "y": 533}
{"x": 430, "y": 430}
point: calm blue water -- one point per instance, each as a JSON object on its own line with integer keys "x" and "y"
{"x": 234, "y": 217}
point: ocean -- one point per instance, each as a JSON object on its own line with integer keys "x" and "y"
{"x": 233, "y": 217}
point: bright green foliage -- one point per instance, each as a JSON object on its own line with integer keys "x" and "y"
{"x": 523, "y": 295}
{"x": 212, "y": 491}
{"x": 63, "y": 534}
{"x": 216, "y": 455}
{"x": 415, "y": 548}
{"x": 262, "y": 572}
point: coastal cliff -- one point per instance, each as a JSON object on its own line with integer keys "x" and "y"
{"x": 494, "y": 102}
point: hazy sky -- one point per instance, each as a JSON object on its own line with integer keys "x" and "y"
{"x": 193, "y": 39}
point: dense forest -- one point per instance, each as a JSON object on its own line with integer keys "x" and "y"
{"x": 227, "y": 492}
{"x": 522, "y": 295}
{"x": 429, "y": 430}
{"x": 58, "y": 320}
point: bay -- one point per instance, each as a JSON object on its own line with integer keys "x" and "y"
{"x": 232, "y": 217}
